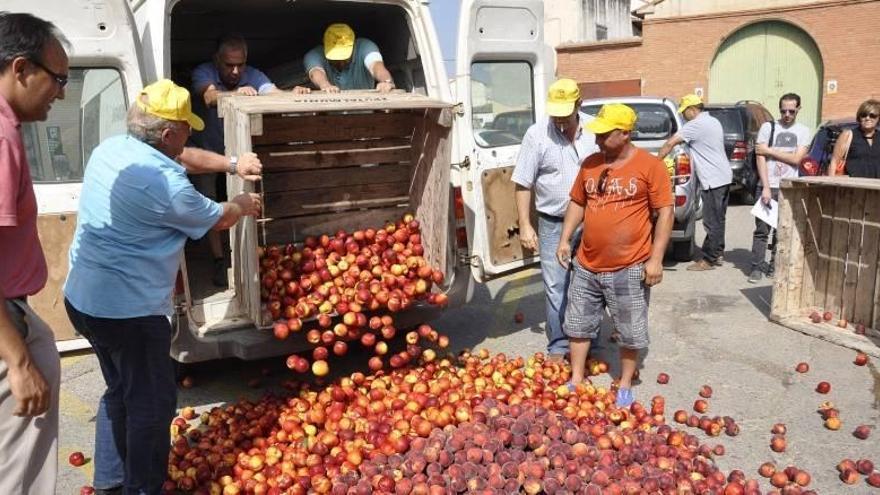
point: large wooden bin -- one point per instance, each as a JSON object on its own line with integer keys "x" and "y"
{"x": 827, "y": 258}
{"x": 346, "y": 161}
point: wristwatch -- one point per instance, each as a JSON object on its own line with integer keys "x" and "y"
{"x": 233, "y": 165}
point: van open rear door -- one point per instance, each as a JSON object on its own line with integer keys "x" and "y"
{"x": 503, "y": 69}
{"x": 104, "y": 76}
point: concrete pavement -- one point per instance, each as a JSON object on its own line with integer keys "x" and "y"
{"x": 706, "y": 328}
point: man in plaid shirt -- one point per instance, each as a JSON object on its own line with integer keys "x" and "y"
{"x": 548, "y": 162}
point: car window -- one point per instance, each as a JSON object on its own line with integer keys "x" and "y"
{"x": 501, "y": 102}
{"x": 655, "y": 120}
{"x": 92, "y": 110}
{"x": 730, "y": 119}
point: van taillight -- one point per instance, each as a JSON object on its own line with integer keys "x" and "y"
{"x": 739, "y": 151}
{"x": 461, "y": 239}
{"x": 459, "y": 203}
{"x": 682, "y": 168}
{"x": 680, "y": 201}
{"x": 178, "y": 284}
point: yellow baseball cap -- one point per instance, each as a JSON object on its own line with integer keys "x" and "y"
{"x": 338, "y": 42}
{"x": 170, "y": 102}
{"x": 612, "y": 116}
{"x": 689, "y": 101}
{"x": 561, "y": 98}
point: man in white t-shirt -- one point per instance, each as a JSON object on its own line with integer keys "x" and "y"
{"x": 780, "y": 147}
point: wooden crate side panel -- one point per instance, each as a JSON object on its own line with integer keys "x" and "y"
{"x": 295, "y": 229}
{"x": 866, "y": 288}
{"x": 795, "y": 266}
{"x": 277, "y": 182}
{"x": 811, "y": 238}
{"x": 854, "y": 243}
{"x": 839, "y": 249}
{"x": 430, "y": 192}
{"x": 243, "y": 236}
{"x": 279, "y": 128}
{"x": 305, "y": 160}
{"x": 781, "y": 283}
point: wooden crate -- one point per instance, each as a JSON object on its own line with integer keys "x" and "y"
{"x": 827, "y": 258}
{"x": 345, "y": 161}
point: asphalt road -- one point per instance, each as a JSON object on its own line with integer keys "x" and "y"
{"x": 706, "y": 328}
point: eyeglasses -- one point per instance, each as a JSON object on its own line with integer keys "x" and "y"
{"x": 603, "y": 180}
{"x": 786, "y": 111}
{"x": 869, "y": 115}
{"x": 60, "y": 79}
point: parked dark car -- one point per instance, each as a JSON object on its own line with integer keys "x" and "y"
{"x": 819, "y": 155}
{"x": 741, "y": 122}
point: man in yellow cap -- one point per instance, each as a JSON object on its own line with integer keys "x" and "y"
{"x": 548, "y": 162}
{"x": 621, "y": 253}
{"x": 704, "y": 137}
{"x": 136, "y": 211}
{"x": 345, "y": 62}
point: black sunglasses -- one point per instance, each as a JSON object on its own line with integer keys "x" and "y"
{"x": 783, "y": 112}
{"x": 871, "y": 115}
{"x": 603, "y": 180}
{"x": 60, "y": 79}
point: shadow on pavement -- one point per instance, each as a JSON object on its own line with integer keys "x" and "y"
{"x": 760, "y": 298}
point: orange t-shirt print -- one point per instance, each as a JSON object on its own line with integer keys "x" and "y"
{"x": 617, "y": 221}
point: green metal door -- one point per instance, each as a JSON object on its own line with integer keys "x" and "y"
{"x": 764, "y": 61}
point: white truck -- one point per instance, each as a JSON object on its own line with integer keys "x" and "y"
{"x": 117, "y": 46}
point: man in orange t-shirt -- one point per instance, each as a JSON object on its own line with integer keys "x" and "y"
{"x": 621, "y": 253}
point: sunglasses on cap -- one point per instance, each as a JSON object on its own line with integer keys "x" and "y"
{"x": 60, "y": 79}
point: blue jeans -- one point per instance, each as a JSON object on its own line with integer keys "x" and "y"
{"x": 556, "y": 279}
{"x": 131, "y": 430}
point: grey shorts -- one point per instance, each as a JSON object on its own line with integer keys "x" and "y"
{"x": 624, "y": 294}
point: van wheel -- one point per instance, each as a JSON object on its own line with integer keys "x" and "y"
{"x": 747, "y": 197}
{"x": 683, "y": 250}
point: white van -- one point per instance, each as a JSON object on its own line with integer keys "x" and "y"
{"x": 503, "y": 69}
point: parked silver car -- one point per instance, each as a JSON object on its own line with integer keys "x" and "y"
{"x": 658, "y": 119}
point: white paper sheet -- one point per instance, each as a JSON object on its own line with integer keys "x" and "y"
{"x": 767, "y": 214}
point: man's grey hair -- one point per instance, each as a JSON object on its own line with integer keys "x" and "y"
{"x": 144, "y": 126}
{"x": 231, "y": 41}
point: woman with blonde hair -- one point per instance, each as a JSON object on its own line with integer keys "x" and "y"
{"x": 857, "y": 152}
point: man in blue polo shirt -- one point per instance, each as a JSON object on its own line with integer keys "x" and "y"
{"x": 345, "y": 62}
{"x": 136, "y": 211}
{"x": 226, "y": 73}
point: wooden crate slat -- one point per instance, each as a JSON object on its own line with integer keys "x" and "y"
{"x": 811, "y": 239}
{"x": 795, "y": 264}
{"x": 275, "y": 182}
{"x": 866, "y": 287}
{"x": 330, "y": 199}
{"x": 839, "y": 249}
{"x": 827, "y": 197}
{"x": 320, "y": 101}
{"x": 295, "y": 229}
{"x": 854, "y": 242}
{"x": 355, "y": 144}
{"x": 303, "y": 160}
{"x": 779, "y": 302}
{"x": 338, "y": 127}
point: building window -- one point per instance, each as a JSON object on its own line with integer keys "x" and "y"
{"x": 502, "y": 107}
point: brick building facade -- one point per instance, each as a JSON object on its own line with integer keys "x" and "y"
{"x": 674, "y": 54}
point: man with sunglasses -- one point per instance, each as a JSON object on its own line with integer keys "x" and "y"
{"x": 549, "y": 160}
{"x": 33, "y": 72}
{"x": 779, "y": 148}
{"x": 614, "y": 196}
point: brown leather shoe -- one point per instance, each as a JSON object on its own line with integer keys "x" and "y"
{"x": 700, "y": 266}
